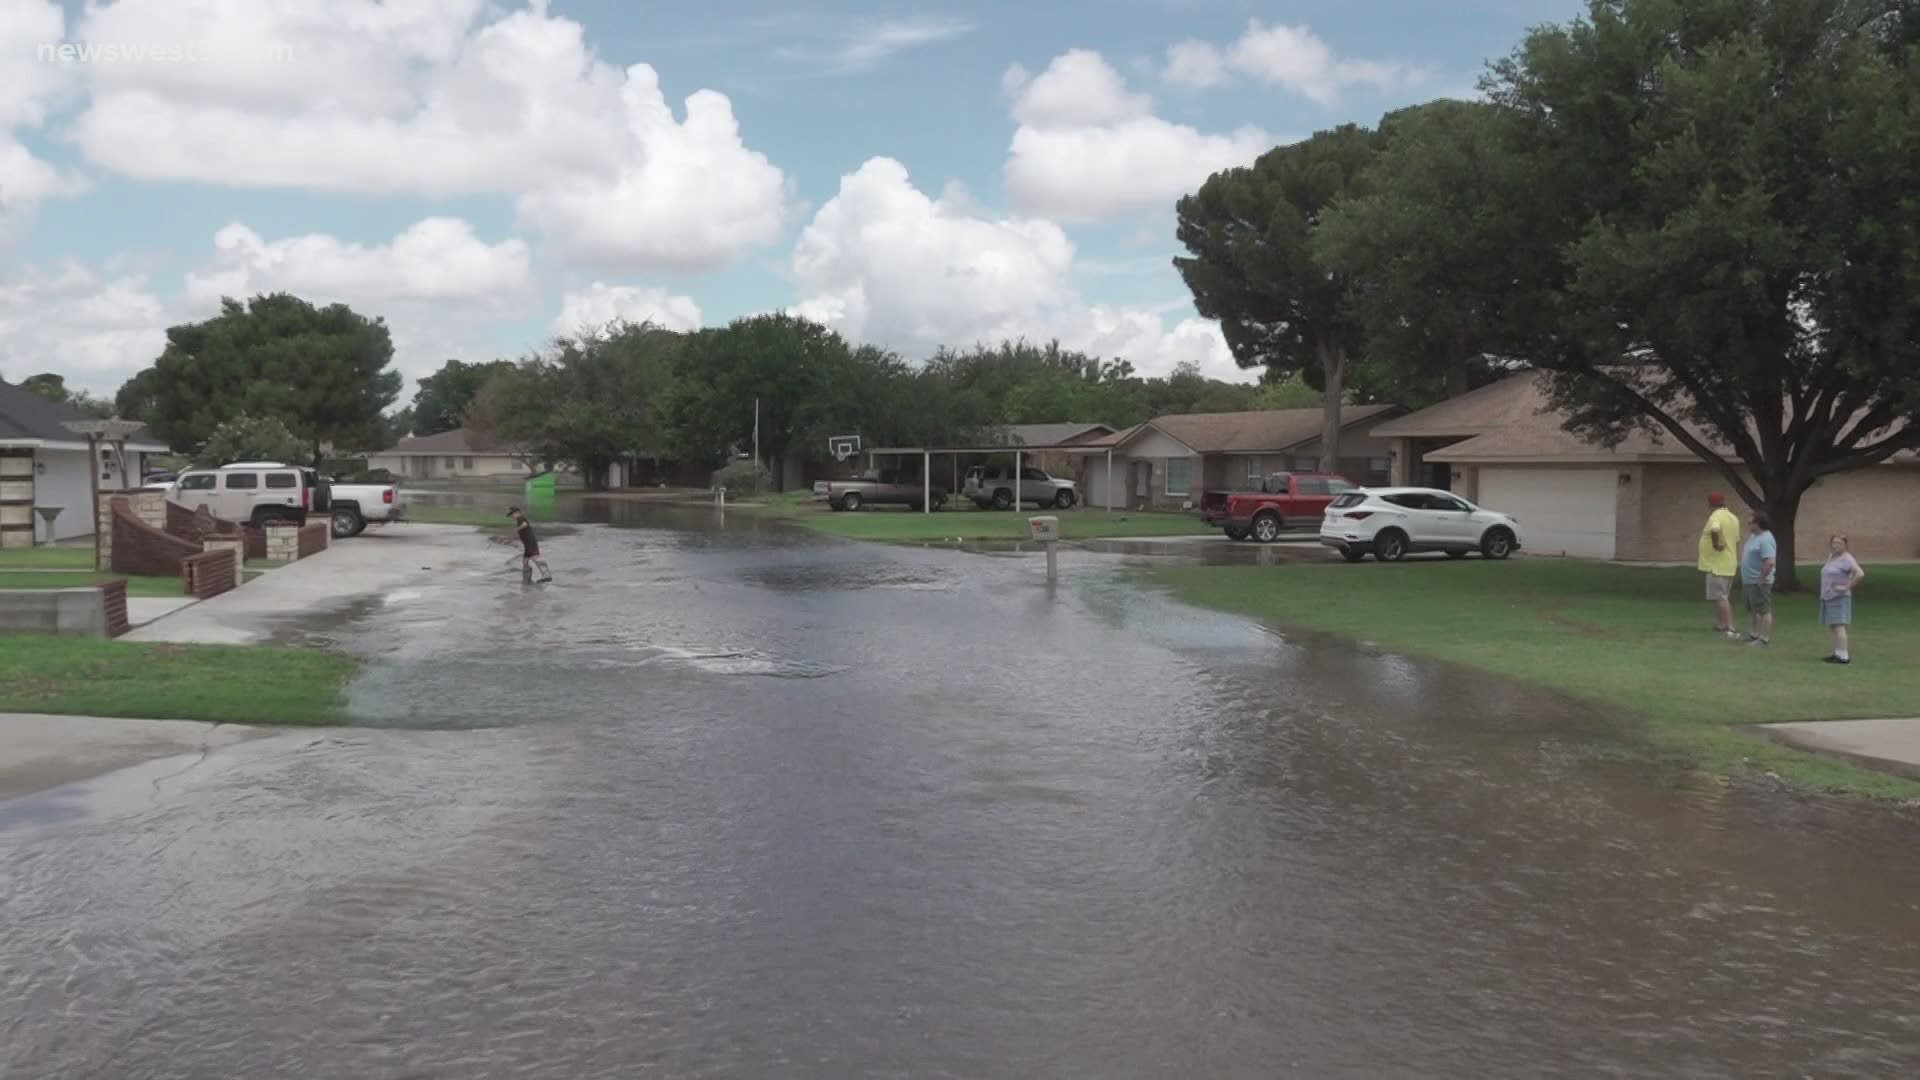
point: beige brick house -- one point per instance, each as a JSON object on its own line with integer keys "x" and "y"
{"x": 1167, "y": 462}
{"x": 1644, "y": 500}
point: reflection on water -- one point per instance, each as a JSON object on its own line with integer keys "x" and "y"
{"x": 995, "y": 829}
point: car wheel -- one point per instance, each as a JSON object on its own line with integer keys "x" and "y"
{"x": 1235, "y": 534}
{"x": 346, "y": 523}
{"x": 1003, "y": 499}
{"x": 1497, "y": 544}
{"x": 1064, "y": 500}
{"x": 850, "y": 501}
{"x": 1390, "y": 546}
{"x": 1353, "y": 554}
{"x": 1266, "y": 527}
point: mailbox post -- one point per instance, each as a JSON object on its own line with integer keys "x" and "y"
{"x": 1045, "y": 531}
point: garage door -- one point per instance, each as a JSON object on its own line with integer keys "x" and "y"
{"x": 1561, "y": 511}
{"x": 1096, "y": 494}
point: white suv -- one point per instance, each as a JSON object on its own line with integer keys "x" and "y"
{"x": 1390, "y": 523}
{"x": 253, "y": 492}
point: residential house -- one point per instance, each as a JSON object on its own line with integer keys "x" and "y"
{"x": 451, "y": 455}
{"x": 43, "y": 465}
{"x": 1503, "y": 447}
{"x": 1165, "y": 463}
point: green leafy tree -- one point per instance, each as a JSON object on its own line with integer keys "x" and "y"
{"x": 323, "y": 371}
{"x": 1250, "y": 231}
{"x": 53, "y": 387}
{"x": 1735, "y": 262}
{"x": 250, "y": 438}
{"x": 1432, "y": 241}
{"x": 441, "y": 402}
{"x": 1288, "y": 393}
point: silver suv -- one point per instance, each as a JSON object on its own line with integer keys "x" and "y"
{"x": 992, "y": 485}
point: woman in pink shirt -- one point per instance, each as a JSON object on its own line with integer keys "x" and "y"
{"x": 1837, "y": 579}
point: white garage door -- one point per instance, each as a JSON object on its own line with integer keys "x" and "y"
{"x": 1096, "y": 493}
{"x": 1561, "y": 511}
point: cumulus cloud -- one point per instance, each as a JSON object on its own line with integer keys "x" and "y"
{"x": 600, "y": 305}
{"x": 1088, "y": 149}
{"x": 434, "y": 98}
{"x": 29, "y": 87}
{"x": 884, "y": 262}
{"x": 437, "y": 284}
{"x": 1293, "y": 57}
{"x": 93, "y": 328}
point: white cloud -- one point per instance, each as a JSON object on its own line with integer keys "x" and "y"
{"x": 600, "y": 305}
{"x": 94, "y": 329}
{"x": 884, "y": 262}
{"x": 1290, "y": 56}
{"x": 436, "y": 283}
{"x": 873, "y": 42}
{"x": 29, "y": 87}
{"x": 1088, "y": 149}
{"x": 431, "y": 98}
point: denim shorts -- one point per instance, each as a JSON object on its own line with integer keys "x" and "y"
{"x": 1837, "y": 611}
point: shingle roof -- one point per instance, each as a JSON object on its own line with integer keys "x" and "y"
{"x": 25, "y": 415}
{"x": 1049, "y": 434}
{"x": 1249, "y": 432}
{"x": 1476, "y": 412}
{"x": 457, "y": 441}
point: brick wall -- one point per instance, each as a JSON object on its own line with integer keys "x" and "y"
{"x": 1877, "y": 508}
{"x": 114, "y": 595}
{"x": 314, "y": 538}
{"x": 210, "y": 573}
{"x": 148, "y": 507}
{"x": 139, "y": 548}
{"x": 16, "y": 498}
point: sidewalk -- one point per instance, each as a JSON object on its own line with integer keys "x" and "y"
{"x": 1887, "y": 745}
{"x": 39, "y": 752}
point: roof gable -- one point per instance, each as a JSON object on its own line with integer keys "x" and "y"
{"x": 1261, "y": 432}
{"x": 25, "y": 415}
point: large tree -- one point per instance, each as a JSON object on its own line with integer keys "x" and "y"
{"x": 801, "y": 374}
{"x": 1250, "y": 231}
{"x": 1735, "y": 187}
{"x": 441, "y": 402}
{"x": 54, "y": 388}
{"x": 1443, "y": 224}
{"x": 249, "y": 438}
{"x": 323, "y": 371}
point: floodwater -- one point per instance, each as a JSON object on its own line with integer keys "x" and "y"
{"x": 743, "y": 802}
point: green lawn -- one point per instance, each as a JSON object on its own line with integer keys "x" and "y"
{"x": 47, "y": 558}
{"x": 75, "y": 579}
{"x": 1632, "y": 637}
{"x": 954, "y": 523}
{"x": 225, "y": 683}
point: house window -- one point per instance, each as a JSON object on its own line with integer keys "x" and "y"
{"x": 1179, "y": 476}
{"x": 1254, "y": 475}
{"x": 466, "y": 463}
{"x": 1379, "y": 470}
{"x": 449, "y": 463}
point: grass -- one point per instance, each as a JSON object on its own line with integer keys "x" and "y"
{"x": 1631, "y": 637}
{"x": 76, "y": 579}
{"x": 458, "y": 515}
{"x": 60, "y": 557}
{"x": 221, "y": 683}
{"x": 956, "y": 523}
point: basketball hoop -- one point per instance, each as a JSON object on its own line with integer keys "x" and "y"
{"x": 843, "y": 447}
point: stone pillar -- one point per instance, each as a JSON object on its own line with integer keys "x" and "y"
{"x": 16, "y": 499}
{"x": 283, "y": 542}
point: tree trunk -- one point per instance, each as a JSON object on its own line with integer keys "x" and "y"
{"x": 1333, "y": 366}
{"x": 1783, "y": 510}
{"x": 316, "y": 454}
{"x": 595, "y": 473}
{"x": 1457, "y": 365}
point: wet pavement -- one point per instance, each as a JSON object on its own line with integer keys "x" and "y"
{"x": 743, "y": 801}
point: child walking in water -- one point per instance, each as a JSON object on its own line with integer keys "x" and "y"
{"x": 529, "y": 548}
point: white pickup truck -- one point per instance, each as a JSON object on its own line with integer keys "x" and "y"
{"x": 356, "y": 506}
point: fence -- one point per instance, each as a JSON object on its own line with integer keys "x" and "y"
{"x": 113, "y": 595}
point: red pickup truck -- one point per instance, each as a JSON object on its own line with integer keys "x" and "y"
{"x": 1285, "y": 500}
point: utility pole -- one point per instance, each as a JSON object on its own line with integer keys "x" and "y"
{"x": 756, "y": 435}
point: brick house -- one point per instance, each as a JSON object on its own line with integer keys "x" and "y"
{"x": 1165, "y": 463}
{"x": 1501, "y": 446}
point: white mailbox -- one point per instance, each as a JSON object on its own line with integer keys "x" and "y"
{"x": 1046, "y": 530}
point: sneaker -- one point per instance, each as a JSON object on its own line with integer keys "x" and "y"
{"x": 546, "y": 579}
{"x": 1732, "y": 635}
{"x": 1758, "y": 642}
{"x": 1833, "y": 660}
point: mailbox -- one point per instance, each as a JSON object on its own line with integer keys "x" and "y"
{"x": 1046, "y": 530}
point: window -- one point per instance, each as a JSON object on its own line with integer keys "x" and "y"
{"x": 282, "y": 480}
{"x": 1379, "y": 470}
{"x": 1279, "y": 483}
{"x": 242, "y": 481}
{"x": 1305, "y": 464}
{"x": 1336, "y": 486}
{"x": 1449, "y": 504}
{"x": 466, "y": 463}
{"x": 1033, "y": 474}
{"x": 197, "y": 482}
{"x": 1410, "y": 501}
{"x": 1179, "y": 476}
{"x": 449, "y": 463}
{"x": 1314, "y": 485}
{"x": 1254, "y": 474}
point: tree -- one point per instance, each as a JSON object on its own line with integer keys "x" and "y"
{"x": 1250, "y": 230}
{"x": 1432, "y": 240}
{"x": 1734, "y": 257}
{"x": 1288, "y": 393}
{"x": 398, "y": 425}
{"x": 249, "y": 438}
{"x": 53, "y": 387}
{"x": 441, "y": 402}
{"x": 802, "y": 374}
{"x": 323, "y": 371}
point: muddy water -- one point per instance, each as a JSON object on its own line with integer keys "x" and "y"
{"x": 743, "y": 802}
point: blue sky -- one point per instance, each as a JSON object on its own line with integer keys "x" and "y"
{"x": 817, "y": 91}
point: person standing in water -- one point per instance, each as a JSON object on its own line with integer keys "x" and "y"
{"x": 529, "y": 548}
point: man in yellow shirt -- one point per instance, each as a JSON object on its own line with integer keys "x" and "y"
{"x": 1720, "y": 561}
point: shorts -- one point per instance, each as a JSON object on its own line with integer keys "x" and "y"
{"x": 1759, "y": 598}
{"x": 1719, "y": 588}
{"x": 531, "y": 551}
{"x": 1837, "y": 611}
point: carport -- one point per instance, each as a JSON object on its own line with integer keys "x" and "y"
{"x": 927, "y": 454}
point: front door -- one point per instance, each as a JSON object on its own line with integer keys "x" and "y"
{"x": 1142, "y": 480}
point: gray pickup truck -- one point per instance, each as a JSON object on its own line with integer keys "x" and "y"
{"x": 878, "y": 487}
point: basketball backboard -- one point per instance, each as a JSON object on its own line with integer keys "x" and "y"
{"x": 843, "y": 447}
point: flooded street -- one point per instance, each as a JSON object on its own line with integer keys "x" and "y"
{"x": 742, "y": 801}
